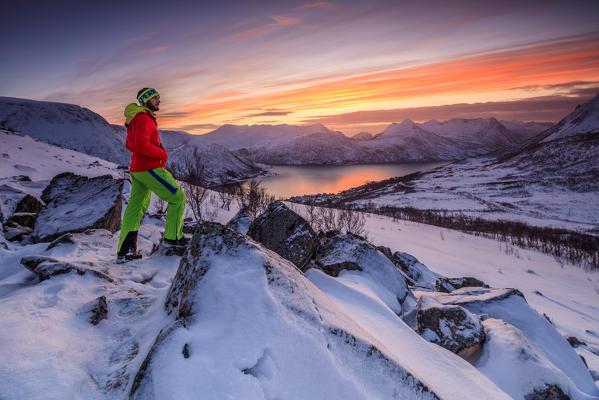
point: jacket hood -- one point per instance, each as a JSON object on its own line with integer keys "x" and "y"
{"x": 133, "y": 109}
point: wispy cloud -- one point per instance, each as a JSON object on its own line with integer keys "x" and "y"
{"x": 270, "y": 113}
{"x": 140, "y": 38}
{"x": 197, "y": 127}
{"x": 542, "y": 108}
{"x": 316, "y": 5}
{"x": 278, "y": 22}
{"x": 152, "y": 50}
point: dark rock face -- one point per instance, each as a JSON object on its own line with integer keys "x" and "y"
{"x": 76, "y": 203}
{"x": 23, "y": 218}
{"x": 241, "y": 221}
{"x": 418, "y": 273}
{"x": 449, "y": 326}
{"x": 574, "y": 341}
{"x": 549, "y": 392}
{"x": 284, "y": 232}
{"x": 99, "y": 310}
{"x": 447, "y": 285}
{"x": 29, "y": 204}
{"x": 47, "y": 267}
{"x": 14, "y": 232}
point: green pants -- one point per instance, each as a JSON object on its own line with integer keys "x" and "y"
{"x": 162, "y": 183}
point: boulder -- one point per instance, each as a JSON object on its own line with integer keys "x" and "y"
{"x": 337, "y": 252}
{"x": 517, "y": 322}
{"x": 249, "y": 313}
{"x": 518, "y": 366}
{"x": 241, "y": 221}
{"x": 29, "y": 204}
{"x": 420, "y": 276}
{"x": 15, "y": 233}
{"x": 548, "y": 392}
{"x": 447, "y": 285}
{"x": 450, "y": 326}
{"x": 25, "y": 219}
{"x": 284, "y": 232}
{"x": 77, "y": 203}
{"x": 46, "y": 267}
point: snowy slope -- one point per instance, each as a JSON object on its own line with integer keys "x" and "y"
{"x": 62, "y": 124}
{"x": 584, "y": 119}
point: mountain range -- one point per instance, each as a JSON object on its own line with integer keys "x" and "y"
{"x": 551, "y": 179}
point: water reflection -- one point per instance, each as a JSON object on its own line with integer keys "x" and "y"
{"x": 299, "y": 180}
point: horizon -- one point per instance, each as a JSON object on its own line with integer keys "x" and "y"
{"x": 352, "y": 67}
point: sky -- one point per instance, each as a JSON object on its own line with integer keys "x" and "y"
{"x": 352, "y": 65}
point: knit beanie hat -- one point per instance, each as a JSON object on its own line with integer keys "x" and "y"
{"x": 146, "y": 95}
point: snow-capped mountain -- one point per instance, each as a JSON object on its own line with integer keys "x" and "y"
{"x": 550, "y": 180}
{"x": 584, "y": 119}
{"x": 77, "y": 128}
{"x": 406, "y": 141}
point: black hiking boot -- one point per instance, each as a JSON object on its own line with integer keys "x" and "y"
{"x": 128, "y": 249}
{"x": 173, "y": 247}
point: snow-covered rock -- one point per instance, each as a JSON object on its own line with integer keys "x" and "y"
{"x": 420, "y": 275}
{"x": 450, "y": 326}
{"x": 337, "y": 252}
{"x": 76, "y": 203}
{"x": 46, "y": 267}
{"x": 510, "y": 306}
{"x": 284, "y": 232}
{"x": 450, "y": 284}
{"x": 235, "y": 308}
{"x": 519, "y": 367}
{"x": 241, "y": 221}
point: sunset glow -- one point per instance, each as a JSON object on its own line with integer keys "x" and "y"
{"x": 351, "y": 66}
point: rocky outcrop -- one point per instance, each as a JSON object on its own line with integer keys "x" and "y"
{"x": 447, "y": 285}
{"x": 336, "y": 252}
{"x": 98, "y": 310}
{"x": 77, "y": 203}
{"x": 241, "y": 221}
{"x": 519, "y": 340}
{"x": 549, "y": 392}
{"x": 449, "y": 326}
{"x": 276, "y": 304}
{"x": 46, "y": 267}
{"x": 284, "y": 232}
{"x": 420, "y": 276}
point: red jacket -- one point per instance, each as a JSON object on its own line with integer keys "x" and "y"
{"x": 144, "y": 142}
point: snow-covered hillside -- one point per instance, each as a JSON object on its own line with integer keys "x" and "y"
{"x": 407, "y": 141}
{"x": 65, "y": 125}
{"x": 232, "y": 319}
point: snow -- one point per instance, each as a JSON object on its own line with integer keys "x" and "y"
{"x": 50, "y": 350}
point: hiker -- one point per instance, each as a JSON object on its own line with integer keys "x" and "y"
{"x": 148, "y": 176}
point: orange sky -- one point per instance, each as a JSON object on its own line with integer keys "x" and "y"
{"x": 489, "y": 77}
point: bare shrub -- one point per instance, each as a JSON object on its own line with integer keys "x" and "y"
{"x": 193, "y": 181}
{"x": 331, "y": 219}
{"x": 254, "y": 196}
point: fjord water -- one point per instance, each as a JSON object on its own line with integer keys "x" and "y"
{"x": 294, "y": 180}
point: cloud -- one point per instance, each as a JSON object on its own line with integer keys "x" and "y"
{"x": 174, "y": 115}
{"x": 151, "y": 50}
{"x": 139, "y": 38}
{"x": 279, "y": 21}
{"x": 541, "y": 109}
{"x": 316, "y": 5}
{"x": 270, "y": 113}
